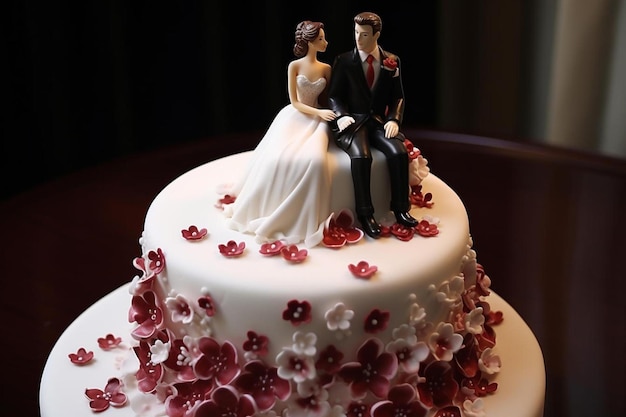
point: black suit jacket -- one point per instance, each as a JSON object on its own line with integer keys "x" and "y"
{"x": 349, "y": 95}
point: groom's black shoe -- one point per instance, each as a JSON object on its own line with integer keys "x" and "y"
{"x": 370, "y": 226}
{"x": 405, "y": 219}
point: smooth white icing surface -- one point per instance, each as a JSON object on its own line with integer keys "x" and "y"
{"x": 521, "y": 389}
{"x": 252, "y": 290}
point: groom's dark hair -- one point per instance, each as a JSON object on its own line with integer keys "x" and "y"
{"x": 369, "y": 19}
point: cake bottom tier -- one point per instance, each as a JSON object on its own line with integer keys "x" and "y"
{"x": 521, "y": 382}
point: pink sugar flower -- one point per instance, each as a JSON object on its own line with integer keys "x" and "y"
{"x": 363, "y": 270}
{"x": 193, "y": 233}
{"x": 206, "y": 302}
{"x": 109, "y": 342}
{"x": 81, "y": 356}
{"x": 100, "y": 400}
{"x": 232, "y": 248}
{"x": 271, "y": 248}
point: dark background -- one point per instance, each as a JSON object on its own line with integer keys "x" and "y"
{"x": 94, "y": 80}
{"x": 91, "y": 81}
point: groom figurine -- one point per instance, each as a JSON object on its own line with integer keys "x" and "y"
{"x": 366, "y": 93}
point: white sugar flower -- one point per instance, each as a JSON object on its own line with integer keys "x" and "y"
{"x": 489, "y": 362}
{"x": 417, "y": 314}
{"x": 405, "y": 332}
{"x": 474, "y": 408}
{"x": 474, "y": 321}
{"x": 159, "y": 352}
{"x": 444, "y": 342}
{"x": 292, "y": 366}
{"x": 338, "y": 317}
{"x": 304, "y": 343}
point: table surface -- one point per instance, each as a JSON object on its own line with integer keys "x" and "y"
{"x": 548, "y": 225}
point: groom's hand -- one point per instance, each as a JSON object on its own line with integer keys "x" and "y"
{"x": 343, "y": 122}
{"x": 391, "y": 129}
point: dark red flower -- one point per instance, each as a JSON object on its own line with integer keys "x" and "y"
{"x": 376, "y": 321}
{"x": 449, "y": 411}
{"x": 372, "y": 371}
{"x": 188, "y": 394}
{"x": 81, "y": 356}
{"x": 206, "y": 302}
{"x": 419, "y": 199}
{"x": 402, "y": 401}
{"x": 149, "y": 374}
{"x": 225, "y": 401}
{"x": 297, "y": 312}
{"x": 146, "y": 313}
{"x": 439, "y": 386}
{"x": 329, "y": 360}
{"x": 479, "y": 385}
{"x": 263, "y": 384}
{"x": 256, "y": 343}
{"x": 411, "y": 150}
{"x": 227, "y": 199}
{"x": 157, "y": 261}
{"x": 358, "y": 410}
{"x": 100, "y": 400}
{"x": 216, "y": 362}
{"x": 467, "y": 357}
{"x": 390, "y": 64}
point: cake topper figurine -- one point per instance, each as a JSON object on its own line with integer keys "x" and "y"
{"x": 367, "y": 95}
{"x": 284, "y": 194}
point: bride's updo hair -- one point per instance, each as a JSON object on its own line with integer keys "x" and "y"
{"x": 306, "y": 31}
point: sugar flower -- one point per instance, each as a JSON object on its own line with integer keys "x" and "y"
{"x": 100, "y": 400}
{"x": 338, "y": 317}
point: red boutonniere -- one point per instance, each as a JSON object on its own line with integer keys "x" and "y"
{"x": 390, "y": 64}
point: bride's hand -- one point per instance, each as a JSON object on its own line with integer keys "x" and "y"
{"x": 327, "y": 114}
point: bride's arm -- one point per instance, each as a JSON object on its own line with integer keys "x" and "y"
{"x": 292, "y": 72}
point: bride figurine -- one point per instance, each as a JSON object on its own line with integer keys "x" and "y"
{"x": 284, "y": 194}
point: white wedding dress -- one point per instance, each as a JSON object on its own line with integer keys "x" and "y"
{"x": 285, "y": 192}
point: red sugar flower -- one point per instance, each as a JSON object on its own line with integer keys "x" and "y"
{"x": 272, "y": 248}
{"x": 206, "y": 303}
{"x": 227, "y": 199}
{"x": 225, "y": 401}
{"x": 412, "y": 151}
{"x": 157, "y": 261}
{"x": 372, "y": 371}
{"x": 232, "y": 248}
{"x": 402, "y": 401}
{"x": 297, "y": 312}
{"x": 81, "y": 356}
{"x": 256, "y": 343}
{"x": 193, "y": 233}
{"x": 100, "y": 400}
{"x": 293, "y": 254}
{"x": 419, "y": 199}
{"x": 376, "y": 321}
{"x": 146, "y": 313}
{"x": 329, "y": 360}
{"x": 216, "y": 362}
{"x": 439, "y": 386}
{"x": 341, "y": 230}
{"x": 263, "y": 384}
{"x": 402, "y": 232}
{"x": 109, "y": 342}
{"x": 188, "y": 395}
{"x": 424, "y": 228}
{"x": 363, "y": 270}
